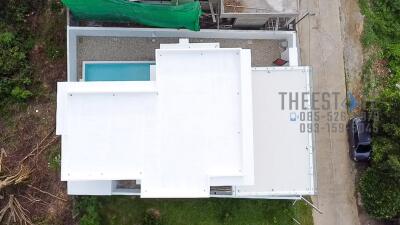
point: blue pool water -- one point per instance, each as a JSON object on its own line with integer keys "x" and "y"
{"x": 117, "y": 71}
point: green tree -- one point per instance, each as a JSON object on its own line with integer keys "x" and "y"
{"x": 380, "y": 184}
{"x": 380, "y": 193}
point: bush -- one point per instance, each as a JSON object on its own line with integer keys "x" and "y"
{"x": 12, "y": 54}
{"x": 380, "y": 193}
{"x": 19, "y": 94}
{"x": 88, "y": 208}
{"x": 385, "y": 111}
{"x": 14, "y": 90}
{"x": 14, "y": 68}
{"x": 152, "y": 217}
{"x": 380, "y": 184}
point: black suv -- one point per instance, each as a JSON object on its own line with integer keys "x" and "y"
{"x": 359, "y": 131}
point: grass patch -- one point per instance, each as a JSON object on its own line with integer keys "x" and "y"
{"x": 303, "y": 213}
{"x": 54, "y": 158}
{"x": 53, "y": 35}
{"x": 117, "y": 210}
{"x": 370, "y": 74}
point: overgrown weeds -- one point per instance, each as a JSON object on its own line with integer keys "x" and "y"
{"x": 379, "y": 186}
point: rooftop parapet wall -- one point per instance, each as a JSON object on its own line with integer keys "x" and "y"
{"x": 74, "y": 33}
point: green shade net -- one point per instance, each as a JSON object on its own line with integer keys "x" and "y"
{"x": 170, "y": 16}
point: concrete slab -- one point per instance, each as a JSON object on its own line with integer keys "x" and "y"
{"x": 321, "y": 46}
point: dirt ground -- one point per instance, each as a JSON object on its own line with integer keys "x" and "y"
{"x": 24, "y": 133}
{"x": 352, "y": 28}
{"x": 29, "y": 133}
{"x": 27, "y": 137}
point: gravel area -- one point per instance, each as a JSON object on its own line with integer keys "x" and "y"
{"x": 263, "y": 52}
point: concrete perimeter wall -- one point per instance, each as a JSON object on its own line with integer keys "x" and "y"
{"x": 74, "y": 32}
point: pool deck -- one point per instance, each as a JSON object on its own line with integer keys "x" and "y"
{"x": 263, "y": 52}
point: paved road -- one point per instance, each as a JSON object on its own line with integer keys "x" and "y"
{"x": 321, "y": 46}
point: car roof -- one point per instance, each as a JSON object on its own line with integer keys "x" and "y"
{"x": 364, "y": 131}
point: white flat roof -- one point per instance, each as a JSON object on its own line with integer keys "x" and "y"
{"x": 283, "y": 154}
{"x": 188, "y": 130}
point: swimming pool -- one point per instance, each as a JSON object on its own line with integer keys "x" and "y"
{"x": 117, "y": 70}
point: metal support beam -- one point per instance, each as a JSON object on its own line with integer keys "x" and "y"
{"x": 296, "y": 221}
{"x": 212, "y": 11}
{"x": 219, "y": 14}
{"x": 304, "y": 16}
{"x": 289, "y": 21}
{"x": 312, "y": 205}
